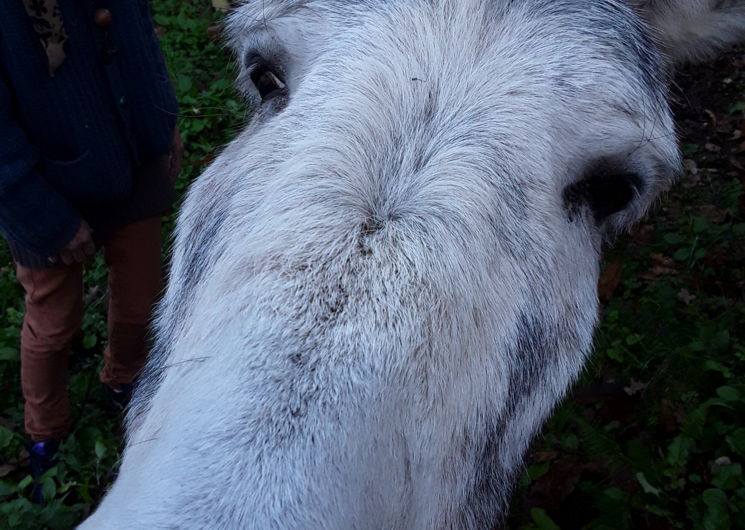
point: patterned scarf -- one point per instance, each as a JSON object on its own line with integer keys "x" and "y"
{"x": 47, "y": 20}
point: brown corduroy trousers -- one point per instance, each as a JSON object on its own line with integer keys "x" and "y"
{"x": 54, "y": 314}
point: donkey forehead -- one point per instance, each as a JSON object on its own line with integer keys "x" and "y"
{"x": 564, "y": 57}
{"x": 552, "y": 83}
{"x": 463, "y": 29}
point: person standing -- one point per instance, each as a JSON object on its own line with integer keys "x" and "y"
{"x": 88, "y": 157}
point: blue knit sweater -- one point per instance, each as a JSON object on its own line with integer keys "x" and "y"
{"x": 73, "y": 140}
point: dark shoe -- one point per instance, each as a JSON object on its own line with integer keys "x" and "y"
{"x": 42, "y": 456}
{"x": 117, "y": 399}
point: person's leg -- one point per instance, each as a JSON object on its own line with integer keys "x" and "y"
{"x": 54, "y": 314}
{"x": 133, "y": 258}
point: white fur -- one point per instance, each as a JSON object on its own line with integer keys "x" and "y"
{"x": 692, "y": 30}
{"x": 380, "y": 289}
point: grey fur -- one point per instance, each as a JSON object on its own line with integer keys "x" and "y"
{"x": 382, "y": 287}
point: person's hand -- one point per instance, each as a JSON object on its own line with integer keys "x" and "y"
{"x": 176, "y": 156}
{"x": 80, "y": 247}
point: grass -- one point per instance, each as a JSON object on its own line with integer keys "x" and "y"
{"x": 651, "y": 437}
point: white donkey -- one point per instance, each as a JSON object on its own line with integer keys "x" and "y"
{"x": 383, "y": 286}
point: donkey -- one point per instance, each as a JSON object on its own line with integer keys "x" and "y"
{"x": 382, "y": 287}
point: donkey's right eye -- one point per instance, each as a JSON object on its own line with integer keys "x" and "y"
{"x": 267, "y": 80}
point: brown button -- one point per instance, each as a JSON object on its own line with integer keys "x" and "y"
{"x": 102, "y": 17}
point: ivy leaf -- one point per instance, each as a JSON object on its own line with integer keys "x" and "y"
{"x": 717, "y": 515}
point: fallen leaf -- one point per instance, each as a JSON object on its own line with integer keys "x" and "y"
{"x": 716, "y": 257}
{"x": 662, "y": 260}
{"x": 713, "y": 213}
{"x": 664, "y": 266}
{"x": 634, "y": 387}
{"x": 712, "y": 116}
{"x": 545, "y": 456}
{"x": 686, "y": 297}
{"x": 642, "y": 234}
{"x": 214, "y": 32}
{"x": 690, "y": 166}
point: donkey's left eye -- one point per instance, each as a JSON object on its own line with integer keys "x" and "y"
{"x": 267, "y": 81}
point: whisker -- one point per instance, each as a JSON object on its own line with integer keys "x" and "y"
{"x": 194, "y": 360}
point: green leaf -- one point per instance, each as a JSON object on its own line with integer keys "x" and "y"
{"x": 717, "y": 515}
{"x": 8, "y": 354}
{"x": 728, "y": 476}
{"x": 23, "y": 484}
{"x": 682, "y": 254}
{"x": 736, "y": 441}
{"x": 673, "y": 239}
{"x": 48, "y": 488}
{"x": 690, "y": 149}
{"x": 16, "y": 511}
{"x": 100, "y": 449}
{"x": 7, "y": 488}
{"x": 633, "y": 339}
{"x": 656, "y": 510}
{"x": 614, "y": 354}
{"x": 678, "y": 451}
{"x": 570, "y": 441}
{"x": 542, "y": 520}
{"x": 89, "y": 341}
{"x": 532, "y": 473}
{"x": 646, "y": 486}
{"x": 728, "y": 393}
{"x": 737, "y": 107}
{"x": 615, "y": 494}
{"x": 717, "y": 367}
{"x": 6, "y": 437}
{"x": 694, "y": 423}
{"x": 183, "y": 83}
{"x": 700, "y": 224}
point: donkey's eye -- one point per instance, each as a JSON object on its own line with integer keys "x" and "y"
{"x": 267, "y": 80}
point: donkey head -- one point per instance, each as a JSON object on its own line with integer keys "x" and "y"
{"x": 381, "y": 287}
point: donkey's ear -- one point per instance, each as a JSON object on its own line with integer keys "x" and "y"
{"x": 616, "y": 192}
{"x": 604, "y": 194}
{"x": 692, "y": 30}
